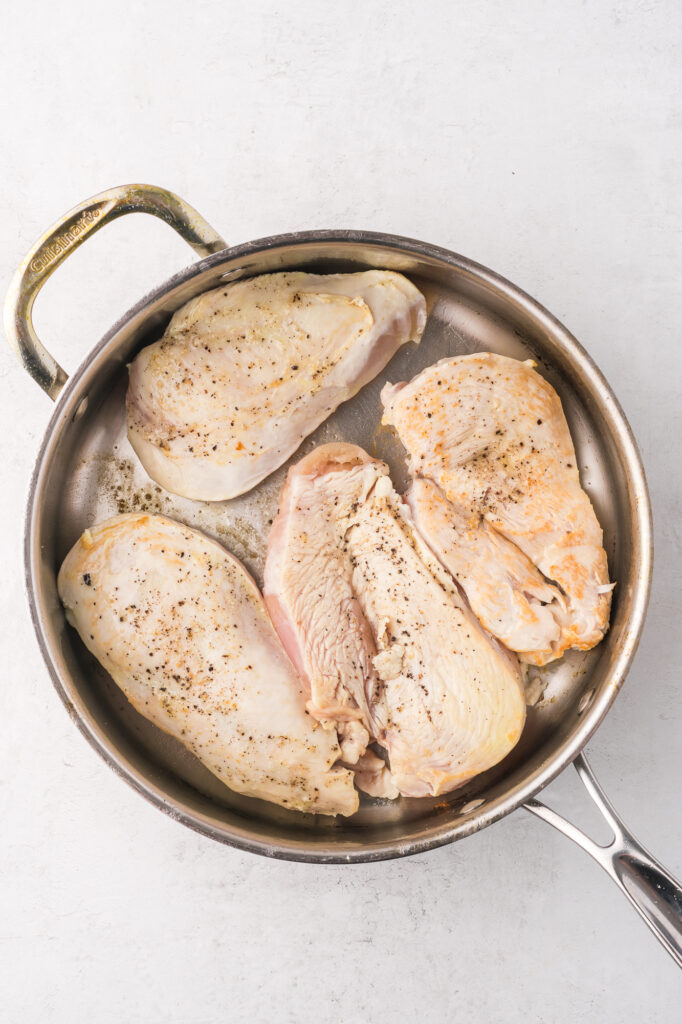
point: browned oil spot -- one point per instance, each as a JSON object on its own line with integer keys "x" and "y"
{"x": 241, "y": 537}
{"x": 116, "y": 477}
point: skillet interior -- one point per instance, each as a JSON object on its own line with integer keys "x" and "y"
{"x": 87, "y": 472}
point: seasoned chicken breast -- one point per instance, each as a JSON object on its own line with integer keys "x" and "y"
{"x": 497, "y": 496}
{"x": 380, "y": 632}
{"x": 245, "y": 372}
{"x": 509, "y": 595}
{"x": 182, "y": 629}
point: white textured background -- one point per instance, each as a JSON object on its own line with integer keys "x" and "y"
{"x": 542, "y": 139}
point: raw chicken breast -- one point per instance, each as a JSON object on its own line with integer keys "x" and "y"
{"x": 499, "y": 501}
{"x": 245, "y": 372}
{"x": 380, "y": 631}
{"x": 182, "y": 629}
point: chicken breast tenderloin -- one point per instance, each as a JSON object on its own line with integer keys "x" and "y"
{"x": 182, "y": 629}
{"x": 380, "y": 631}
{"x": 308, "y": 574}
{"x": 497, "y": 496}
{"x": 245, "y": 372}
{"x": 511, "y": 598}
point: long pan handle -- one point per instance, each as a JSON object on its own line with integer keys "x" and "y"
{"x": 652, "y": 891}
{"x": 67, "y": 234}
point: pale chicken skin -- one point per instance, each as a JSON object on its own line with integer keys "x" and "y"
{"x": 497, "y": 496}
{"x": 245, "y": 372}
{"x": 380, "y": 631}
{"x": 182, "y": 629}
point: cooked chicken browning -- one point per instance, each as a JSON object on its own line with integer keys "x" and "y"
{"x": 182, "y": 629}
{"x": 245, "y": 372}
{"x": 498, "y": 497}
{"x": 510, "y": 597}
{"x": 381, "y": 632}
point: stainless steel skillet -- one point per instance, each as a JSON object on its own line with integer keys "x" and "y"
{"x": 86, "y": 471}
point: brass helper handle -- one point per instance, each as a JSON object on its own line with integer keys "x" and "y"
{"x": 67, "y": 234}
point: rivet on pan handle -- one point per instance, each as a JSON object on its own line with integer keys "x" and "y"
{"x": 67, "y": 234}
{"x": 652, "y": 891}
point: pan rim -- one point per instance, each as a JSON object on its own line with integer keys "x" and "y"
{"x": 330, "y": 851}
